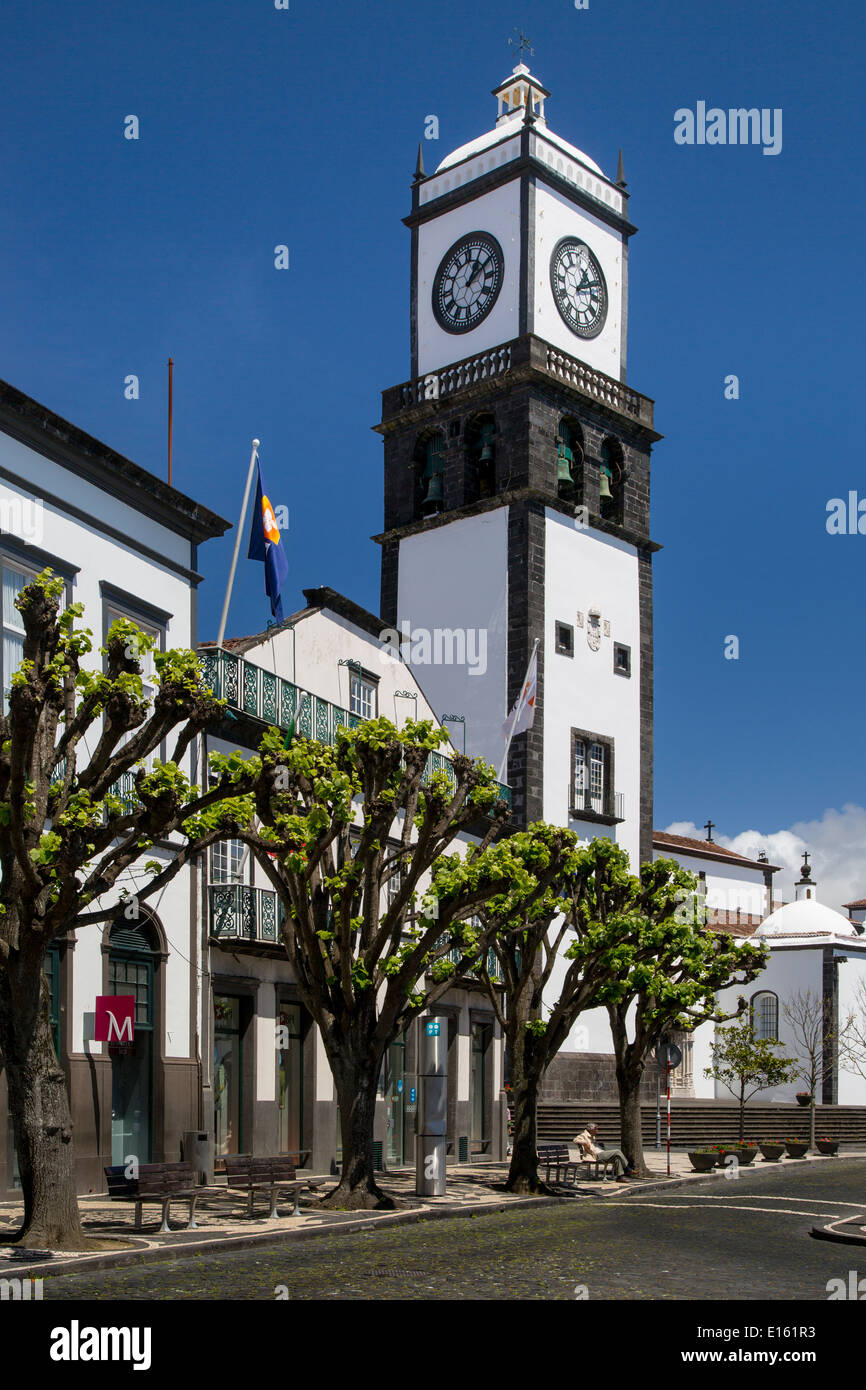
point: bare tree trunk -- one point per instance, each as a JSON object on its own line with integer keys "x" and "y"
{"x": 356, "y": 1083}
{"x": 39, "y": 1106}
{"x": 742, "y": 1113}
{"x": 629, "y": 1073}
{"x": 812, "y": 1122}
{"x": 526, "y": 1073}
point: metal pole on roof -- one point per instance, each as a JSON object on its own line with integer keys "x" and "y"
{"x": 170, "y": 402}
{"x": 253, "y": 456}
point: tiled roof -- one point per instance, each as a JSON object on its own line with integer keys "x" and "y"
{"x": 861, "y": 902}
{"x": 737, "y": 923}
{"x": 707, "y": 848}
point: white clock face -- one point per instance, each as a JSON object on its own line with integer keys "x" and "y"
{"x": 468, "y": 282}
{"x": 578, "y": 287}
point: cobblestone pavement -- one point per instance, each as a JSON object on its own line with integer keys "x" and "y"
{"x": 733, "y": 1239}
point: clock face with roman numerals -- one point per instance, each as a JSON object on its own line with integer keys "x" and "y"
{"x": 468, "y": 282}
{"x": 578, "y": 287}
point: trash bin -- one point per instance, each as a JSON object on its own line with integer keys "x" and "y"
{"x": 197, "y": 1149}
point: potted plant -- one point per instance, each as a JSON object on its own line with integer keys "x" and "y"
{"x": 702, "y": 1160}
{"x": 797, "y": 1148}
{"x": 746, "y": 1151}
{"x": 772, "y": 1149}
{"x": 826, "y": 1145}
{"x": 804, "y": 1097}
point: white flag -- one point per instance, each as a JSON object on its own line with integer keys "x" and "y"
{"x": 524, "y": 706}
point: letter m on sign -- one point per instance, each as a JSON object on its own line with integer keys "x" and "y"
{"x": 115, "y": 1018}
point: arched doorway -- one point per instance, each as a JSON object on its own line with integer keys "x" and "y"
{"x": 133, "y": 952}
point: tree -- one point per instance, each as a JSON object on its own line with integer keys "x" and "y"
{"x": 746, "y": 1064}
{"x": 348, "y": 837}
{"x": 816, "y": 1038}
{"x": 668, "y": 976}
{"x": 68, "y": 838}
{"x": 584, "y": 920}
{"x": 853, "y": 1052}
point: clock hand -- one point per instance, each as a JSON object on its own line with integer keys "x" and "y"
{"x": 474, "y": 274}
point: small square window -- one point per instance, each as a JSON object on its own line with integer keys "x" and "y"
{"x": 564, "y": 639}
{"x": 621, "y": 659}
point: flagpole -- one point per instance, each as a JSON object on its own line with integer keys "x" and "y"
{"x": 253, "y": 456}
{"x": 517, "y": 705}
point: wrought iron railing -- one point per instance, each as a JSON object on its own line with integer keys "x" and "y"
{"x": 239, "y": 912}
{"x": 609, "y": 804}
{"x": 252, "y": 690}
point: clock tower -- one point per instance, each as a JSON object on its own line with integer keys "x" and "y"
{"x": 517, "y": 472}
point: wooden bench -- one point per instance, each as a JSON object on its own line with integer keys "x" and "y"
{"x": 156, "y": 1182}
{"x": 250, "y": 1174}
{"x": 557, "y": 1157}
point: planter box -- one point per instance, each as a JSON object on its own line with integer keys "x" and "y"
{"x": 702, "y": 1163}
{"x": 797, "y": 1150}
{"x": 825, "y": 1147}
{"x": 804, "y": 1100}
{"x": 746, "y": 1156}
{"x": 772, "y": 1152}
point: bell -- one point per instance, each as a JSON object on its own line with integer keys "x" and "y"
{"x": 433, "y": 495}
{"x": 487, "y": 452}
{"x": 604, "y": 491}
{"x": 563, "y": 465}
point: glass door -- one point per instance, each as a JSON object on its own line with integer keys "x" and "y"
{"x": 397, "y": 1102}
{"x": 132, "y": 1063}
{"x": 227, "y": 1074}
{"x": 290, "y": 1078}
{"x": 480, "y": 1041}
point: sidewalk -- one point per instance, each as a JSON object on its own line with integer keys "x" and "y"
{"x": 473, "y": 1190}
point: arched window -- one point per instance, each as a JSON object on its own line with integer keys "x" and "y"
{"x": 610, "y": 478}
{"x": 765, "y": 1015}
{"x": 480, "y": 459}
{"x": 569, "y": 460}
{"x": 429, "y": 468}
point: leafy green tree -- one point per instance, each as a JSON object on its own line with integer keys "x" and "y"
{"x": 667, "y": 973}
{"x": 69, "y": 840}
{"x": 529, "y": 944}
{"x": 361, "y": 848}
{"x": 746, "y": 1064}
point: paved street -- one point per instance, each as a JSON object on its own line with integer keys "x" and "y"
{"x": 725, "y": 1239}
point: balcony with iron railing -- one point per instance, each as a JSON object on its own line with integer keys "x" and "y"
{"x": 264, "y": 696}
{"x": 608, "y": 807}
{"x": 239, "y": 913}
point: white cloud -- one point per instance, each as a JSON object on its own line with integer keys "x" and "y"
{"x": 836, "y": 845}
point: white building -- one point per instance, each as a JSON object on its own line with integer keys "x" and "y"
{"x": 817, "y": 952}
{"x": 126, "y": 545}
{"x": 328, "y": 663}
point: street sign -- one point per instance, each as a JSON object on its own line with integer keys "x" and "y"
{"x": 668, "y": 1054}
{"x": 433, "y": 1028}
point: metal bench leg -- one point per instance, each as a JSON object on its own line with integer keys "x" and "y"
{"x": 273, "y": 1213}
{"x": 165, "y": 1229}
{"x": 192, "y": 1224}
{"x": 297, "y": 1210}
{"x": 138, "y": 1207}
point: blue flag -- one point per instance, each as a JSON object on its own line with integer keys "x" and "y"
{"x": 265, "y": 544}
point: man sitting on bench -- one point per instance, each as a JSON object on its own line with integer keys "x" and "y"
{"x": 585, "y": 1142}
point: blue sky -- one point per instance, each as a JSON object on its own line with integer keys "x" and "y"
{"x": 260, "y": 126}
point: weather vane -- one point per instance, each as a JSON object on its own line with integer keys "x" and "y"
{"x": 520, "y": 43}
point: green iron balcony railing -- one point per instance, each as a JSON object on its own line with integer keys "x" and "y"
{"x": 241, "y": 913}
{"x": 252, "y": 690}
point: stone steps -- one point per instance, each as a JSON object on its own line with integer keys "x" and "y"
{"x": 703, "y": 1122}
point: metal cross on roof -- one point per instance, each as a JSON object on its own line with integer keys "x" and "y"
{"x": 710, "y": 827}
{"x": 520, "y": 43}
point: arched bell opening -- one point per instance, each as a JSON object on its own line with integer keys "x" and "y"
{"x": 611, "y": 475}
{"x": 480, "y": 458}
{"x": 569, "y": 460}
{"x": 429, "y": 467}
